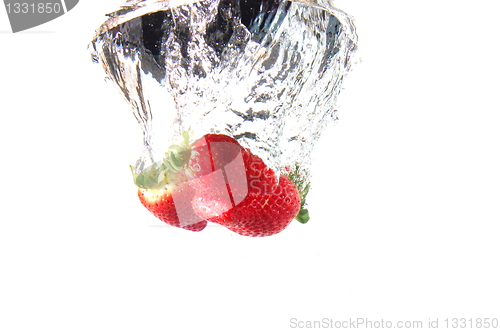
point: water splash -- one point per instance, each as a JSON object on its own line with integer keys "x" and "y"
{"x": 265, "y": 72}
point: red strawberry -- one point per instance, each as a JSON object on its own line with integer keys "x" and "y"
{"x": 257, "y": 206}
{"x": 231, "y": 185}
{"x": 167, "y": 195}
{"x": 215, "y": 179}
{"x": 265, "y": 215}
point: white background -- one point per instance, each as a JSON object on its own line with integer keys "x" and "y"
{"x": 405, "y": 206}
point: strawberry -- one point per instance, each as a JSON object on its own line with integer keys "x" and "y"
{"x": 266, "y": 215}
{"x": 165, "y": 192}
{"x": 172, "y": 205}
{"x": 215, "y": 179}
{"x": 258, "y": 204}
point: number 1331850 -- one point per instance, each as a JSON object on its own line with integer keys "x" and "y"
{"x": 471, "y": 323}
{"x": 40, "y": 8}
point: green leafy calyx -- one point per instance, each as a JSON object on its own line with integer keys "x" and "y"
{"x": 303, "y": 187}
{"x": 158, "y": 174}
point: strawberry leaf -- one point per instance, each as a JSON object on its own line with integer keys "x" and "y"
{"x": 157, "y": 175}
{"x": 303, "y": 187}
{"x": 152, "y": 177}
{"x": 303, "y": 216}
{"x": 177, "y": 156}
